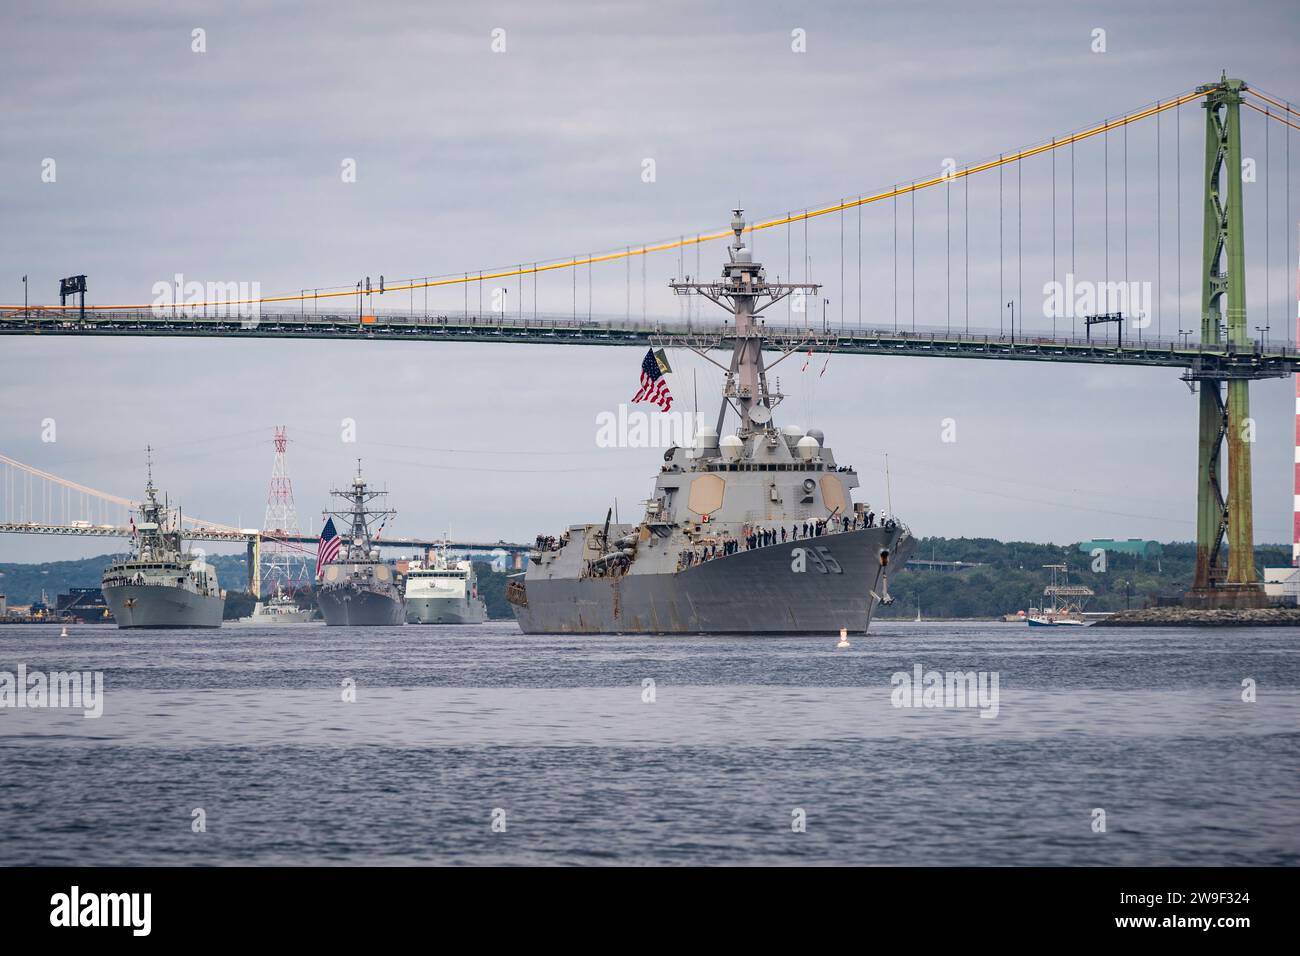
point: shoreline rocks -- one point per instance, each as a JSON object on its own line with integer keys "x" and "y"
{"x": 1189, "y": 617}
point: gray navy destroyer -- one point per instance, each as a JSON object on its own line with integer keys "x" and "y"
{"x": 753, "y": 532}
{"x": 159, "y": 584}
{"x": 357, "y": 588}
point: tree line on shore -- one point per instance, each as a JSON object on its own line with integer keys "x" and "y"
{"x": 1008, "y": 576}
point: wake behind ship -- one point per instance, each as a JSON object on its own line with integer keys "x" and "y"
{"x": 158, "y": 584}
{"x": 355, "y": 587}
{"x": 751, "y": 533}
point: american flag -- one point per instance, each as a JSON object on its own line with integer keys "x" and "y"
{"x": 327, "y": 549}
{"x": 654, "y": 387}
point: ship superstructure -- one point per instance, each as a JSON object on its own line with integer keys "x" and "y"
{"x": 357, "y": 588}
{"x": 158, "y": 584}
{"x": 751, "y": 531}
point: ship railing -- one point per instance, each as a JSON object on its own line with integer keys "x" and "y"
{"x": 829, "y": 526}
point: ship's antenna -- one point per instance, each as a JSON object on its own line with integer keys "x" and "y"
{"x": 889, "y": 495}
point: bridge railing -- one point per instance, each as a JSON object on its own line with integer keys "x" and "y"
{"x": 825, "y": 334}
{"x": 1029, "y": 339}
{"x": 169, "y": 317}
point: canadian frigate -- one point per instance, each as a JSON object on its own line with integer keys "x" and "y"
{"x": 751, "y": 533}
{"x": 158, "y": 584}
{"x": 357, "y": 588}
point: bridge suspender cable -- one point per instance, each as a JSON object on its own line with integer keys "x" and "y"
{"x": 911, "y": 188}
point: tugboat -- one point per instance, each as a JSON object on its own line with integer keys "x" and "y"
{"x": 357, "y": 588}
{"x": 750, "y": 533}
{"x": 442, "y": 591}
{"x": 158, "y": 584}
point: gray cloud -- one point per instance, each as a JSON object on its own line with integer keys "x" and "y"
{"x": 225, "y": 166}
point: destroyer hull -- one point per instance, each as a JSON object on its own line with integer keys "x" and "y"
{"x": 444, "y": 611}
{"x": 354, "y": 607}
{"x": 155, "y": 606}
{"x": 752, "y": 592}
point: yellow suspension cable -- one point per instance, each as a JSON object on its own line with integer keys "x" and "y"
{"x": 1268, "y": 99}
{"x": 629, "y": 252}
{"x": 1270, "y": 114}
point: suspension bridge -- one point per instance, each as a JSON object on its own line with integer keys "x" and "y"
{"x": 1215, "y": 351}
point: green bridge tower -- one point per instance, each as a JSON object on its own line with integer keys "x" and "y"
{"x": 1223, "y": 313}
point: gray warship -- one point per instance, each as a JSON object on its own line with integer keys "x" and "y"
{"x": 357, "y": 589}
{"x": 751, "y": 533}
{"x": 440, "y": 590}
{"x": 158, "y": 584}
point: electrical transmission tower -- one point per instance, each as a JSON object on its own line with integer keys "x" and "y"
{"x": 282, "y": 564}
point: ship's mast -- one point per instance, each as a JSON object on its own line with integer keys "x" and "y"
{"x": 359, "y": 516}
{"x": 147, "y": 537}
{"x": 149, "y": 508}
{"x": 743, "y": 284}
{"x": 155, "y": 536}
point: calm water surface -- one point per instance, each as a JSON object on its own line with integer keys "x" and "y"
{"x": 654, "y": 750}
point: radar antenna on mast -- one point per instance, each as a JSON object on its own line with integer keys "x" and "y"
{"x": 743, "y": 284}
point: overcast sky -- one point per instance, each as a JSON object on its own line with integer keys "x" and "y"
{"x": 226, "y": 165}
